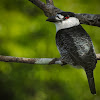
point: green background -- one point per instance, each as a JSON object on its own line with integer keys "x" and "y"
{"x": 25, "y": 33}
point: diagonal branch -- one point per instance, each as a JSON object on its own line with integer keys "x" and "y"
{"x": 42, "y": 61}
{"x": 39, "y": 4}
{"x": 50, "y": 10}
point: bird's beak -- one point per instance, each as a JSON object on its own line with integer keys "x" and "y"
{"x": 52, "y": 19}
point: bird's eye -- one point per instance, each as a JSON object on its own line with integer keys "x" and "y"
{"x": 66, "y": 17}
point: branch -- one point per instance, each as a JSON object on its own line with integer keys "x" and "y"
{"x": 42, "y": 61}
{"x": 98, "y": 56}
{"x": 89, "y": 19}
{"x": 39, "y": 4}
{"x": 49, "y": 2}
{"x": 50, "y": 10}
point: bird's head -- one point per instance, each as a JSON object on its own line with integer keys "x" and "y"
{"x": 64, "y": 20}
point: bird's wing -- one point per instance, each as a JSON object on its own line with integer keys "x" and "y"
{"x": 77, "y": 45}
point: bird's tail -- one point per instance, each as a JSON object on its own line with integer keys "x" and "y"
{"x": 91, "y": 82}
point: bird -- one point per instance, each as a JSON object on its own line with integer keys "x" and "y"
{"x": 74, "y": 44}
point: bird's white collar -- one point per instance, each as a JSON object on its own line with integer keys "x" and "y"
{"x": 70, "y": 22}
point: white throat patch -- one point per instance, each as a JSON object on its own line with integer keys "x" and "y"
{"x": 70, "y": 22}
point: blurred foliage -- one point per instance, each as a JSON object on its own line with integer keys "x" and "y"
{"x": 25, "y": 33}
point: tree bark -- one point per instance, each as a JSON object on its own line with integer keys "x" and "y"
{"x": 50, "y": 10}
{"x": 42, "y": 61}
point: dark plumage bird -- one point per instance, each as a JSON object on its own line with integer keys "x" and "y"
{"x": 74, "y": 44}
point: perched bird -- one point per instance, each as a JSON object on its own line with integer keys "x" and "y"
{"x": 74, "y": 44}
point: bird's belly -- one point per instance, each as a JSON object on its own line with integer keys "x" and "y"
{"x": 76, "y": 53}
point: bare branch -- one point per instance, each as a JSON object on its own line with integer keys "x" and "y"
{"x": 42, "y": 61}
{"x": 30, "y": 60}
{"x": 89, "y": 19}
{"x": 50, "y": 10}
{"x": 49, "y": 2}
{"x": 39, "y": 4}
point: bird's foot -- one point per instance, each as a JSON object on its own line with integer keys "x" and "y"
{"x": 53, "y": 61}
{"x": 63, "y": 63}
